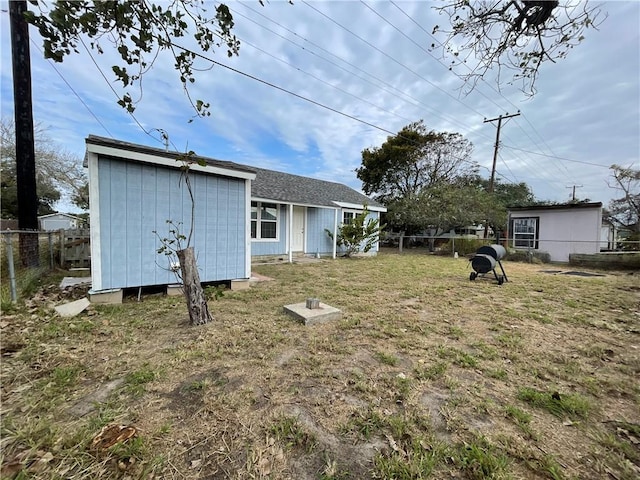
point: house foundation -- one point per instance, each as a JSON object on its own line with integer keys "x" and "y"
{"x": 106, "y": 297}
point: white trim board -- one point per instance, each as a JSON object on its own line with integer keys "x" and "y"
{"x": 166, "y": 162}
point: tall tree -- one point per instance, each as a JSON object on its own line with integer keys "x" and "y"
{"x": 487, "y": 37}
{"x": 413, "y": 160}
{"x": 59, "y": 173}
{"x": 412, "y": 166}
{"x": 625, "y": 210}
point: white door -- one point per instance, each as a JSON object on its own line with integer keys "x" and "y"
{"x": 297, "y": 229}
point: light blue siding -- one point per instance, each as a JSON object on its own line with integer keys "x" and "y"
{"x": 279, "y": 247}
{"x": 135, "y": 199}
{"x": 319, "y": 219}
{"x": 317, "y": 241}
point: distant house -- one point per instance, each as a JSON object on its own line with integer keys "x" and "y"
{"x": 59, "y": 221}
{"x": 558, "y": 230}
{"x": 240, "y": 212}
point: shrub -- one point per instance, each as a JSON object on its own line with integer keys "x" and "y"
{"x": 528, "y": 256}
{"x": 464, "y": 245}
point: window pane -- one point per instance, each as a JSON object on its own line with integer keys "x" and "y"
{"x": 524, "y": 225}
{"x": 254, "y": 211}
{"x": 267, "y": 230}
{"x": 254, "y": 228}
{"x": 524, "y": 241}
{"x": 268, "y": 212}
{"x": 347, "y": 218}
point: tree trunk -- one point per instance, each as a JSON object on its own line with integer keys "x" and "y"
{"x": 193, "y": 292}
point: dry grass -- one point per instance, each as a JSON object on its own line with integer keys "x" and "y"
{"x": 428, "y": 375}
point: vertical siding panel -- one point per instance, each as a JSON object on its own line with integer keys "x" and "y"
{"x": 212, "y": 212}
{"x": 162, "y": 204}
{"x": 133, "y": 238}
{"x": 104, "y": 183}
{"x": 148, "y": 224}
{"x": 136, "y": 199}
{"x": 223, "y": 226}
{"x": 118, "y": 221}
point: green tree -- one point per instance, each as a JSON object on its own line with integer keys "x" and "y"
{"x": 413, "y": 160}
{"x": 139, "y": 31}
{"x": 516, "y": 36}
{"x": 360, "y": 235}
{"x": 80, "y": 198}
{"x": 412, "y": 167}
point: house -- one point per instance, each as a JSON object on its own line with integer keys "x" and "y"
{"x": 240, "y": 212}
{"x": 291, "y": 214}
{"x": 59, "y": 221}
{"x": 559, "y": 230}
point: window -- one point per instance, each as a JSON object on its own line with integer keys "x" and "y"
{"x": 525, "y": 232}
{"x": 348, "y": 216}
{"x": 264, "y": 220}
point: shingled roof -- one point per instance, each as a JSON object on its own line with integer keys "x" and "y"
{"x": 268, "y": 184}
{"x": 288, "y": 188}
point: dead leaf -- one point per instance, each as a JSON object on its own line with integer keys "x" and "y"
{"x": 111, "y": 435}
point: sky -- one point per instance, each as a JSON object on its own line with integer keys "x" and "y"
{"x": 371, "y": 62}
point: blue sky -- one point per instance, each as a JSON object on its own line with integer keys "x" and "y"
{"x": 584, "y": 117}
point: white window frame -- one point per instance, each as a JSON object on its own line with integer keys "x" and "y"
{"x": 525, "y": 236}
{"x": 259, "y": 220}
{"x": 355, "y": 213}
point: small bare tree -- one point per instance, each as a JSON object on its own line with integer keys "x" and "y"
{"x": 625, "y": 210}
{"x": 516, "y": 35}
{"x": 178, "y": 247}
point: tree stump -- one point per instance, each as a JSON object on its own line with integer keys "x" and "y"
{"x": 193, "y": 292}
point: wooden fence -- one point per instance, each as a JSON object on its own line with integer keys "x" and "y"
{"x": 75, "y": 248}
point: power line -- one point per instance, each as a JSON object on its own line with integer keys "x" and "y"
{"x": 114, "y": 91}
{"x": 71, "y": 88}
{"x": 481, "y": 79}
{"x": 272, "y": 85}
{"x": 391, "y": 89}
{"x": 324, "y": 81}
{"x": 556, "y": 157}
{"x": 392, "y": 58}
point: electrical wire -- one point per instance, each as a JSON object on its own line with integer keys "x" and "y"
{"x": 482, "y": 80}
{"x": 72, "y": 89}
{"x": 116, "y": 93}
{"x": 390, "y": 88}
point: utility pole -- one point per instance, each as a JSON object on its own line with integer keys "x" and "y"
{"x": 573, "y": 196}
{"x": 25, "y": 150}
{"x": 495, "y": 149}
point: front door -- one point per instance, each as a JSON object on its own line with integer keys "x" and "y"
{"x": 297, "y": 229}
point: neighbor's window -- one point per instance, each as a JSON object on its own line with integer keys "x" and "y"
{"x": 525, "y": 232}
{"x": 264, "y": 220}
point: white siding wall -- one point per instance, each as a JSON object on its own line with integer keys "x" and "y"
{"x": 562, "y": 232}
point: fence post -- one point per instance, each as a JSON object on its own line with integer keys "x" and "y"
{"x": 50, "y": 235}
{"x": 12, "y": 271}
{"x": 453, "y": 247}
{"x": 401, "y": 241}
{"x": 62, "y": 260}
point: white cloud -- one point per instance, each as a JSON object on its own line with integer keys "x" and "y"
{"x": 586, "y": 108}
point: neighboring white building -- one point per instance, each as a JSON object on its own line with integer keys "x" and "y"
{"x": 558, "y": 230}
{"x": 59, "y": 221}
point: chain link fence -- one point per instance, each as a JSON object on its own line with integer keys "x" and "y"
{"x": 25, "y": 256}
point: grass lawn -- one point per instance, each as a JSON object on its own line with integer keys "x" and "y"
{"x": 427, "y": 375}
